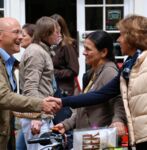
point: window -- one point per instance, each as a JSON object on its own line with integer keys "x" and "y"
{"x": 1, "y": 8}
{"x": 113, "y": 15}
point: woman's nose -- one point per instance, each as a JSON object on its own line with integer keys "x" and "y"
{"x": 84, "y": 52}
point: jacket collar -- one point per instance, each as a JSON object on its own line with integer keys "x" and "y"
{"x": 47, "y": 48}
{"x": 107, "y": 64}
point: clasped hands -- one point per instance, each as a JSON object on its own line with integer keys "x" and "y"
{"x": 51, "y": 105}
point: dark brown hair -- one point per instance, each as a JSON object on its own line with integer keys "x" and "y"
{"x": 101, "y": 40}
{"x": 30, "y": 28}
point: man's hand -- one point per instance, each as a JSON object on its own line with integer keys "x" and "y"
{"x": 51, "y": 105}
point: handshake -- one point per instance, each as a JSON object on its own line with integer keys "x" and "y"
{"x": 51, "y": 105}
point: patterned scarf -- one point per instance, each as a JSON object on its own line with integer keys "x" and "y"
{"x": 128, "y": 64}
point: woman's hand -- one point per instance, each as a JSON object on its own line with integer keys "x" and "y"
{"x": 59, "y": 127}
{"x": 35, "y": 126}
{"x": 121, "y": 128}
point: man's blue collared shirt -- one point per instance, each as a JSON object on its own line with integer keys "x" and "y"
{"x": 9, "y": 61}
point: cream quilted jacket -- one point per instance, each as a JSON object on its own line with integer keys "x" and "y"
{"x": 135, "y": 100}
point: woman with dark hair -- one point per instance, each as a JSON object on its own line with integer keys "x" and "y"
{"x": 98, "y": 51}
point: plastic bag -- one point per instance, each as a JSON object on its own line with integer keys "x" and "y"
{"x": 94, "y": 139}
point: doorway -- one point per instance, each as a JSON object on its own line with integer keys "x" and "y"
{"x": 38, "y": 8}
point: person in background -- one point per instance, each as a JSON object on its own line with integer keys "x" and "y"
{"x": 131, "y": 81}
{"x": 66, "y": 69}
{"x": 98, "y": 50}
{"x": 27, "y": 33}
{"x": 37, "y": 76}
{"x": 10, "y": 40}
{"x": 65, "y": 61}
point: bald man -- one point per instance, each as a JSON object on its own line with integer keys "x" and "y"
{"x": 10, "y": 39}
